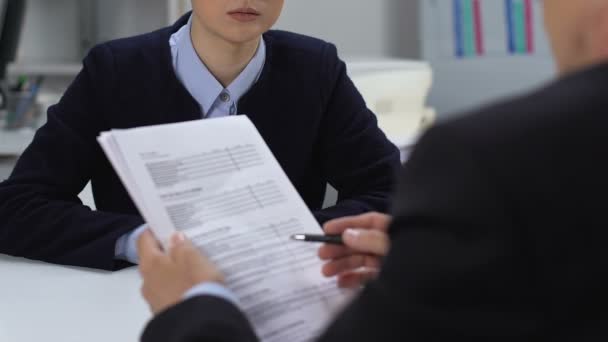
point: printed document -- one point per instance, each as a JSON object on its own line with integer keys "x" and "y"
{"x": 217, "y": 181}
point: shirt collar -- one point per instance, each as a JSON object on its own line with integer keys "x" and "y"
{"x": 197, "y": 78}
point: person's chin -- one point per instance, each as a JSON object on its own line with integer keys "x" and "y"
{"x": 243, "y": 36}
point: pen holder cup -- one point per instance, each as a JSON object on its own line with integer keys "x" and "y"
{"x": 22, "y": 110}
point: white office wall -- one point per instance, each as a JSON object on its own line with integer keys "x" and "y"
{"x": 361, "y": 28}
{"x": 120, "y": 18}
{"x": 51, "y": 31}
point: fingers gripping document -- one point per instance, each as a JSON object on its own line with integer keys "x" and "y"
{"x": 218, "y": 182}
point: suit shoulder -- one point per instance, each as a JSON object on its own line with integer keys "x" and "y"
{"x": 125, "y": 49}
{"x": 131, "y": 58}
{"x": 294, "y": 43}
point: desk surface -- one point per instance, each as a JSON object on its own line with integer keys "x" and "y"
{"x": 13, "y": 143}
{"x": 6, "y": 167}
{"x": 43, "y": 302}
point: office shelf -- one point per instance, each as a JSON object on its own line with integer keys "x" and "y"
{"x": 44, "y": 69}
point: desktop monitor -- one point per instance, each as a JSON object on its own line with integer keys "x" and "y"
{"x": 11, "y": 23}
{"x": 2, "y": 14}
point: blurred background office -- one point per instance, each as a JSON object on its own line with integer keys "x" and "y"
{"x": 415, "y": 61}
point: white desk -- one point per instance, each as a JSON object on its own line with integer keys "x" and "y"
{"x": 6, "y": 167}
{"x": 43, "y": 302}
{"x": 13, "y": 143}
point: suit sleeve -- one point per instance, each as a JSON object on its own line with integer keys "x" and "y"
{"x": 454, "y": 269}
{"x": 359, "y": 161}
{"x": 200, "y": 319}
{"x": 41, "y": 215}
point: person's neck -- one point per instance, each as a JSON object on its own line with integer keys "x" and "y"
{"x": 572, "y": 67}
{"x": 589, "y": 51}
{"x": 225, "y": 60}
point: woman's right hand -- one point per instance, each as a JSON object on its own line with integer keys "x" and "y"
{"x": 366, "y": 242}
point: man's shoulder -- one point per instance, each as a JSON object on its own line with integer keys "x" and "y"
{"x": 204, "y": 318}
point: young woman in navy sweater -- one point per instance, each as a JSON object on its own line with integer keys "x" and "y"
{"x": 219, "y": 60}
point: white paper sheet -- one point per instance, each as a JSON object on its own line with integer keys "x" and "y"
{"x": 217, "y": 181}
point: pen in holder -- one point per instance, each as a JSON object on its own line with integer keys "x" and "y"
{"x": 21, "y": 107}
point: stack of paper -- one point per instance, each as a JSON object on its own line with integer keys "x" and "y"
{"x": 217, "y": 181}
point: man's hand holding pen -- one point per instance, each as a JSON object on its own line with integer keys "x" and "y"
{"x": 365, "y": 243}
{"x": 354, "y": 255}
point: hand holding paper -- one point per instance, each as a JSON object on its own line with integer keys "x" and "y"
{"x": 168, "y": 275}
{"x": 217, "y": 182}
{"x": 366, "y": 242}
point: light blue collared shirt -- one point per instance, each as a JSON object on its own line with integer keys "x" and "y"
{"x": 211, "y": 289}
{"x": 215, "y": 100}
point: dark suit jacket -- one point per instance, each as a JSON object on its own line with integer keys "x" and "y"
{"x": 500, "y": 233}
{"x": 304, "y": 105}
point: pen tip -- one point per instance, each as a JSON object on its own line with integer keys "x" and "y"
{"x": 298, "y": 237}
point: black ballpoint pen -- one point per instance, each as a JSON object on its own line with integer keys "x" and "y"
{"x": 330, "y": 239}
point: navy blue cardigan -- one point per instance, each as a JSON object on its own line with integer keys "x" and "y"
{"x": 304, "y": 105}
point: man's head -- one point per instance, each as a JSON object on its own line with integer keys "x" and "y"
{"x": 236, "y": 21}
{"x": 578, "y": 30}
